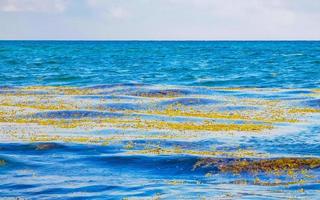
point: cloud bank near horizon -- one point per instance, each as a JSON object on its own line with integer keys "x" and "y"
{"x": 160, "y": 19}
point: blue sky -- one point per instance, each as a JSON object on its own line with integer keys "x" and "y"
{"x": 160, "y": 19}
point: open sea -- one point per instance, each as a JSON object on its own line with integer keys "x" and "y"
{"x": 159, "y": 120}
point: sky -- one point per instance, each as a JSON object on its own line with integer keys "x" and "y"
{"x": 160, "y": 19}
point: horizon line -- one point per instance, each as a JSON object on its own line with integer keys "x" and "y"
{"x": 169, "y": 40}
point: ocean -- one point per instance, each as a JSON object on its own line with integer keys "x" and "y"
{"x": 159, "y": 119}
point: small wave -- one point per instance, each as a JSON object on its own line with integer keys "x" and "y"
{"x": 75, "y": 114}
{"x": 189, "y": 101}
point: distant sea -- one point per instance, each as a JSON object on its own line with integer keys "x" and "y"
{"x": 281, "y": 64}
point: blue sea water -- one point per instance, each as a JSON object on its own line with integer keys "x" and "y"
{"x": 114, "y": 79}
{"x": 218, "y": 64}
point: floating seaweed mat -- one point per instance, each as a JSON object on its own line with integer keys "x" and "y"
{"x": 275, "y": 165}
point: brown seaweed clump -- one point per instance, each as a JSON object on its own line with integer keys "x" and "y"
{"x": 160, "y": 93}
{"x": 2, "y": 163}
{"x": 45, "y": 146}
{"x": 275, "y": 166}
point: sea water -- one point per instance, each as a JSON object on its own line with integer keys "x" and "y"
{"x": 159, "y": 120}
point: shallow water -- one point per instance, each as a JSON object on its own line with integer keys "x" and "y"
{"x": 159, "y": 120}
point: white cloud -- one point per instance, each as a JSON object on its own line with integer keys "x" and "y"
{"x": 162, "y": 19}
{"x": 118, "y": 12}
{"x": 109, "y": 8}
{"x": 33, "y": 5}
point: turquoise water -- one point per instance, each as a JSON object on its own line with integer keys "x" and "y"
{"x": 159, "y": 120}
{"x": 218, "y": 64}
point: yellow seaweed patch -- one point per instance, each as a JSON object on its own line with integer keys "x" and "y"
{"x": 206, "y": 126}
{"x": 59, "y": 123}
{"x": 45, "y": 122}
{"x": 15, "y": 110}
{"x": 37, "y": 88}
{"x": 74, "y": 91}
{"x": 61, "y": 90}
{"x": 304, "y": 110}
{"x": 176, "y": 182}
{"x": 185, "y": 126}
{"x": 137, "y": 123}
{"x": 49, "y": 122}
{"x": 129, "y": 145}
{"x": 276, "y": 182}
{"x": 66, "y": 123}
{"x": 275, "y": 166}
{"x": 241, "y": 153}
{"x": 72, "y": 139}
{"x": 42, "y": 106}
{"x": 267, "y": 116}
{"x": 316, "y": 90}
